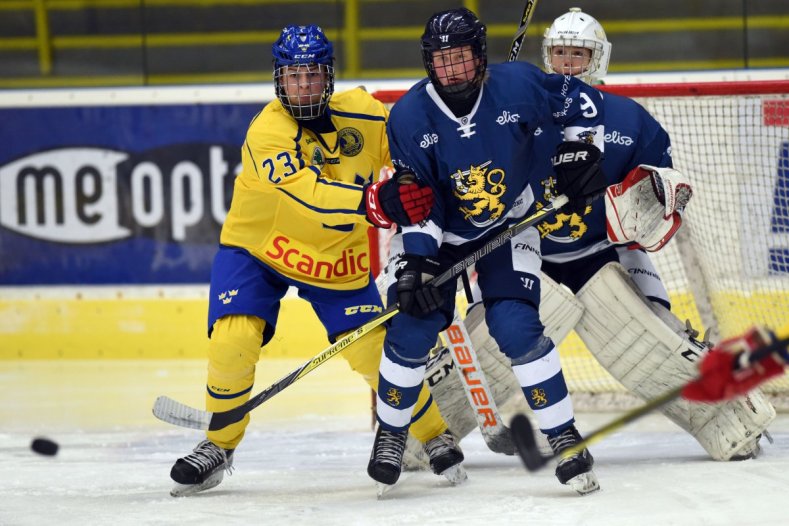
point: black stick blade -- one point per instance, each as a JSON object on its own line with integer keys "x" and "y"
{"x": 523, "y": 437}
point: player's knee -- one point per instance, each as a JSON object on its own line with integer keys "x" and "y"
{"x": 235, "y": 343}
{"x": 409, "y": 340}
{"x": 409, "y": 355}
{"x": 364, "y": 356}
{"x": 516, "y": 327}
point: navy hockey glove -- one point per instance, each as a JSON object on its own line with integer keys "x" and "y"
{"x": 578, "y": 174}
{"x": 414, "y": 294}
{"x": 400, "y": 200}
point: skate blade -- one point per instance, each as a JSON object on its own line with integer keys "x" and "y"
{"x": 455, "y": 474}
{"x": 381, "y": 490}
{"x": 584, "y": 483}
{"x": 184, "y": 490}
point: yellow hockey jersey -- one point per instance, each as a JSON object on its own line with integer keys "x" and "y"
{"x": 296, "y": 201}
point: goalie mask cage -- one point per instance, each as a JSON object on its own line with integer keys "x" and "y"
{"x": 728, "y": 267}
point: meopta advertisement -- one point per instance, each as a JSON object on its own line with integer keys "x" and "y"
{"x": 116, "y": 194}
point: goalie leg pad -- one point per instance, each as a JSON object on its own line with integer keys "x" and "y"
{"x": 646, "y": 348}
{"x": 559, "y": 310}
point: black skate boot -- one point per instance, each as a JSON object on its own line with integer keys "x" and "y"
{"x": 576, "y": 470}
{"x": 445, "y": 458}
{"x": 202, "y": 469}
{"x": 386, "y": 459}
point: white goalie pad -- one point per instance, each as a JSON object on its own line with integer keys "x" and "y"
{"x": 648, "y": 350}
{"x": 559, "y": 309}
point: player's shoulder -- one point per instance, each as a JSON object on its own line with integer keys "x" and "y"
{"x": 626, "y": 108}
{"x": 516, "y": 70}
{"x": 415, "y": 97}
{"x": 358, "y": 103}
{"x": 526, "y": 78}
{"x": 273, "y": 121}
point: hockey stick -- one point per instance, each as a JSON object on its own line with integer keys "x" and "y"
{"x": 533, "y": 459}
{"x": 475, "y": 384}
{"x": 174, "y": 412}
{"x": 517, "y": 40}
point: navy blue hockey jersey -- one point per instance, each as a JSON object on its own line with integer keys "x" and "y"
{"x": 485, "y": 167}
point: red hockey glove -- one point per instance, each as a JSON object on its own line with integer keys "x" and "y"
{"x": 398, "y": 200}
{"x": 725, "y": 372}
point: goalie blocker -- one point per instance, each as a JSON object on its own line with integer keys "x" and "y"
{"x": 639, "y": 343}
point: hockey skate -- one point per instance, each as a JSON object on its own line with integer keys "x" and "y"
{"x": 576, "y": 470}
{"x": 202, "y": 469}
{"x": 386, "y": 459}
{"x": 752, "y": 449}
{"x": 446, "y": 457}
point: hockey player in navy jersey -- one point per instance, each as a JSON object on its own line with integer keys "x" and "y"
{"x": 302, "y": 204}
{"x": 625, "y": 322}
{"x": 469, "y": 131}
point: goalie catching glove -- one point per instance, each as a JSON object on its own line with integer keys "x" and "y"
{"x": 399, "y": 200}
{"x": 415, "y": 295}
{"x": 646, "y": 207}
{"x": 578, "y": 174}
{"x": 727, "y": 372}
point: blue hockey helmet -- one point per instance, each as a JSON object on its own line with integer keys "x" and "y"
{"x": 303, "y": 70}
{"x": 450, "y": 29}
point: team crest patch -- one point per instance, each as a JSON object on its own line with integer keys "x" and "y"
{"x": 480, "y": 191}
{"x": 564, "y": 227}
{"x": 351, "y": 141}
{"x": 393, "y": 396}
{"x": 318, "y": 158}
{"x": 538, "y": 397}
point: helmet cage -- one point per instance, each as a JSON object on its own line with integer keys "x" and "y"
{"x": 295, "y": 86}
{"x": 453, "y": 29}
{"x": 302, "y": 57}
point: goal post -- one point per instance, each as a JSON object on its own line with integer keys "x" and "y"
{"x": 729, "y": 268}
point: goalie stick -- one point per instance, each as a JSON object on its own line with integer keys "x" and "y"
{"x": 533, "y": 459}
{"x": 177, "y": 413}
{"x": 517, "y": 40}
{"x": 475, "y": 384}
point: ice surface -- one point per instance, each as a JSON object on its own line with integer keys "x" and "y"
{"x": 304, "y": 457}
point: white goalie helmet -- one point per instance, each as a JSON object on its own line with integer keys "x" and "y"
{"x": 578, "y": 29}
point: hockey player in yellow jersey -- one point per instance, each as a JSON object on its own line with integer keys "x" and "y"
{"x": 302, "y": 204}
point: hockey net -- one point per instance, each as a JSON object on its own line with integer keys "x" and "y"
{"x": 728, "y": 269}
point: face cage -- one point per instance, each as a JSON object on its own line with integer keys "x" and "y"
{"x": 461, "y": 90}
{"x": 590, "y": 74}
{"x": 304, "y": 110}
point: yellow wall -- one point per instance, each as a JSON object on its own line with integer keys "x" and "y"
{"x": 153, "y": 328}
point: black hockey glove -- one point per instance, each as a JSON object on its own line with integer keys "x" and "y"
{"x": 578, "y": 174}
{"x": 400, "y": 200}
{"x": 415, "y": 296}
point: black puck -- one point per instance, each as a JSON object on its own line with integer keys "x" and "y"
{"x": 44, "y": 446}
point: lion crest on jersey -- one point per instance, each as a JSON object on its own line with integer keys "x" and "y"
{"x": 574, "y": 222}
{"x": 482, "y": 189}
